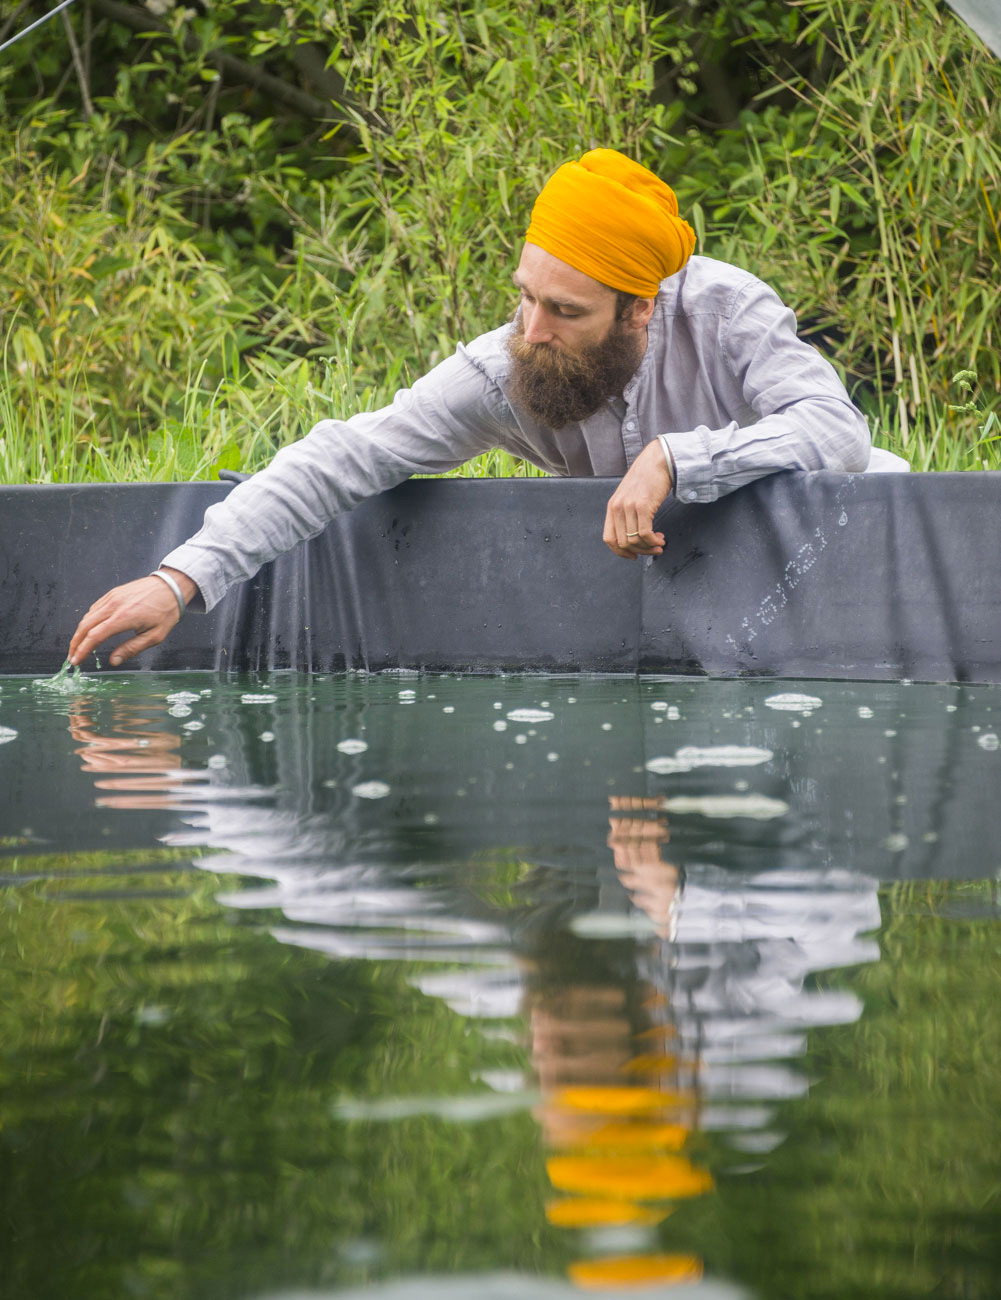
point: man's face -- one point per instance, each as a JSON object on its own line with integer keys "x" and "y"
{"x": 569, "y": 353}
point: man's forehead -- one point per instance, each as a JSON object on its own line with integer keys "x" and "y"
{"x": 545, "y": 276}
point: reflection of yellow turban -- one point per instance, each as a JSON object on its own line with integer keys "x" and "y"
{"x": 614, "y": 220}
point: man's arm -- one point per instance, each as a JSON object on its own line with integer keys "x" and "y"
{"x": 736, "y": 337}
{"x": 791, "y": 409}
{"x": 450, "y": 415}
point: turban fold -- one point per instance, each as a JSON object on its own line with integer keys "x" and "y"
{"x": 614, "y": 220}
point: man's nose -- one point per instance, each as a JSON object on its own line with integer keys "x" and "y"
{"x": 536, "y": 323}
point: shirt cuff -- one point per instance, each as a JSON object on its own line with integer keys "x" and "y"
{"x": 690, "y": 461}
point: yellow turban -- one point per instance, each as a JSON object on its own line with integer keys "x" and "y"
{"x": 614, "y": 220}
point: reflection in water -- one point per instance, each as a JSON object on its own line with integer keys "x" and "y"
{"x": 639, "y": 925}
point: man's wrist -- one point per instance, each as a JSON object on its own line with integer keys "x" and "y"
{"x": 188, "y": 586}
{"x": 668, "y": 457}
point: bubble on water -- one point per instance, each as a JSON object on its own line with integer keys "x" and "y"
{"x": 974, "y": 729}
{"x": 951, "y": 708}
{"x": 352, "y": 746}
{"x": 449, "y": 708}
{"x": 571, "y": 699}
{"x": 330, "y": 784}
{"x": 543, "y": 704}
{"x": 755, "y": 806}
{"x": 521, "y": 739}
{"x": 530, "y": 715}
{"x": 659, "y": 706}
{"x": 432, "y": 696}
{"x": 989, "y": 741}
{"x": 407, "y": 695}
{"x": 267, "y": 737}
{"x": 552, "y": 758}
{"x": 690, "y": 757}
{"x": 864, "y": 711}
{"x": 741, "y": 785}
{"x": 217, "y": 762}
{"x": 673, "y": 713}
{"x": 658, "y": 719}
{"x": 532, "y": 731}
{"x": 508, "y": 767}
{"x": 498, "y": 704}
{"x": 606, "y": 726}
{"x": 889, "y": 733}
{"x": 183, "y": 697}
{"x": 252, "y": 697}
{"x": 7, "y": 734}
{"x": 370, "y": 790}
{"x": 795, "y": 722}
{"x": 500, "y": 725}
{"x": 207, "y": 691}
{"x": 431, "y": 819}
{"x": 179, "y": 711}
{"x": 792, "y": 702}
{"x": 194, "y": 725}
{"x": 896, "y": 843}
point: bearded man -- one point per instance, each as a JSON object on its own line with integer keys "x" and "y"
{"x": 627, "y": 357}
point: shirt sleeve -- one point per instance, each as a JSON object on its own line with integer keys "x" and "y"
{"x": 450, "y": 415}
{"x": 805, "y": 418}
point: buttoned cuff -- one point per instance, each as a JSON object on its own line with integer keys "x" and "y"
{"x": 690, "y": 460}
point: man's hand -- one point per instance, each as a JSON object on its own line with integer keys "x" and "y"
{"x": 629, "y": 517}
{"x": 147, "y": 607}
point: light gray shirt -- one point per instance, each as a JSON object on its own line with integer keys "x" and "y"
{"x": 724, "y": 376}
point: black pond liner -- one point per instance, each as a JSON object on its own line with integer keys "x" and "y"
{"x": 869, "y": 577}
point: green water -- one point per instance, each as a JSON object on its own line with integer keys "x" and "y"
{"x": 498, "y": 987}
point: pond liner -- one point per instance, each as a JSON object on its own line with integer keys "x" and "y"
{"x": 815, "y": 575}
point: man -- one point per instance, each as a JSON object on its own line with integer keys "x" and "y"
{"x": 627, "y": 357}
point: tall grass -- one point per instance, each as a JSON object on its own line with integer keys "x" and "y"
{"x": 177, "y": 301}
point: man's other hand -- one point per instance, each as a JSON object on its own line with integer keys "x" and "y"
{"x": 629, "y": 517}
{"x": 146, "y": 607}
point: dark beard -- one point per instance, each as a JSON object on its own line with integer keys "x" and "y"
{"x": 559, "y": 388}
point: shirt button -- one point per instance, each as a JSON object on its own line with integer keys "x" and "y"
{"x": 693, "y": 496}
{"x": 630, "y": 425}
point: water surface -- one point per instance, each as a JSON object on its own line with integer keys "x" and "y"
{"x": 500, "y": 986}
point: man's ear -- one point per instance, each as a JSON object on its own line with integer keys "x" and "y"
{"x": 640, "y": 313}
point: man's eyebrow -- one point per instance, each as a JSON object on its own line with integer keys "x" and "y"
{"x": 571, "y": 303}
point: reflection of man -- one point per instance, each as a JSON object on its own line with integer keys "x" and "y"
{"x": 627, "y": 358}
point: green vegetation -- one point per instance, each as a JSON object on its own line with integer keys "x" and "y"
{"x": 219, "y": 225}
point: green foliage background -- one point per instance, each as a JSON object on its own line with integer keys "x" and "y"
{"x": 219, "y": 223}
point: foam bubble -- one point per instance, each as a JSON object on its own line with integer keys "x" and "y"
{"x": 500, "y": 725}
{"x": 864, "y": 711}
{"x": 183, "y": 697}
{"x": 530, "y": 715}
{"x": 352, "y": 746}
{"x": 989, "y": 741}
{"x": 267, "y": 737}
{"x": 792, "y": 702}
{"x": 253, "y": 698}
{"x": 217, "y": 762}
{"x": 370, "y": 790}
{"x": 448, "y": 708}
{"x": 690, "y": 757}
{"x": 7, "y": 734}
{"x": 194, "y": 725}
{"x": 179, "y": 711}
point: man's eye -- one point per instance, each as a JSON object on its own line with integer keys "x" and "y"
{"x": 567, "y": 315}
